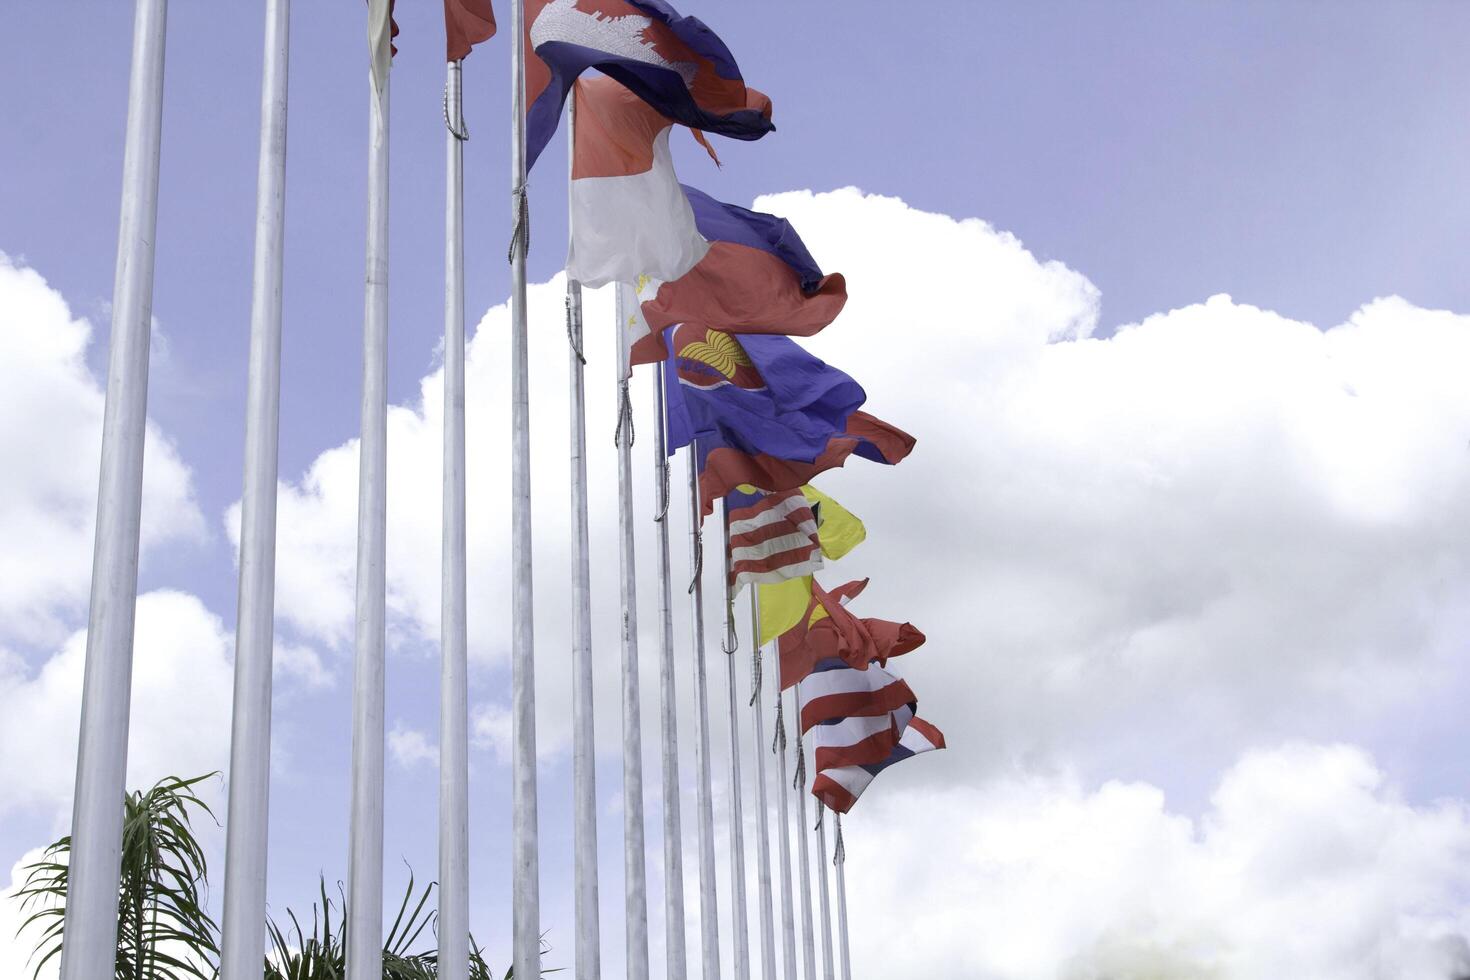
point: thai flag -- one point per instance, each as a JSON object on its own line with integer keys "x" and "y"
{"x": 773, "y": 536}
{"x": 676, "y": 64}
{"x": 839, "y": 787}
{"x": 757, "y": 278}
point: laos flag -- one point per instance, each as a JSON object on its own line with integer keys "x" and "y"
{"x": 676, "y": 64}
{"x": 764, "y": 412}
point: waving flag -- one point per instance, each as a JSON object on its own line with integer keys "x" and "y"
{"x": 766, "y": 413}
{"x": 835, "y": 690}
{"x": 773, "y": 536}
{"x": 466, "y": 23}
{"x": 830, "y": 631}
{"x": 756, "y": 278}
{"x": 676, "y": 64}
{"x": 630, "y": 218}
{"x": 859, "y": 740}
{"x": 840, "y": 786}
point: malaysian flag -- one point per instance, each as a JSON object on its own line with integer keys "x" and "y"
{"x": 773, "y": 536}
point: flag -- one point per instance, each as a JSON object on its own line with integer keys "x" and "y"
{"x": 839, "y": 787}
{"x": 630, "y": 217}
{"x": 676, "y": 64}
{"x": 766, "y": 413}
{"x": 838, "y": 528}
{"x": 756, "y": 278}
{"x": 830, "y": 631}
{"x": 835, "y": 690}
{"x": 382, "y": 29}
{"x": 859, "y": 740}
{"x": 773, "y": 536}
{"x": 466, "y": 23}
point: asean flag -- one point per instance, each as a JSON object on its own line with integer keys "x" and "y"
{"x": 756, "y": 278}
{"x": 676, "y": 64}
{"x": 630, "y": 217}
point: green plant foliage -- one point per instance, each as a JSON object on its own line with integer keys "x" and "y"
{"x": 163, "y": 929}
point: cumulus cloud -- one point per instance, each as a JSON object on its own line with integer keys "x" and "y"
{"x": 410, "y": 747}
{"x": 16, "y": 947}
{"x": 50, "y": 439}
{"x": 1307, "y": 864}
{"x": 182, "y": 679}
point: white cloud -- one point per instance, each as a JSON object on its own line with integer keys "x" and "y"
{"x": 1307, "y": 865}
{"x": 50, "y": 439}
{"x": 410, "y": 747}
{"x": 182, "y": 680}
{"x": 16, "y": 947}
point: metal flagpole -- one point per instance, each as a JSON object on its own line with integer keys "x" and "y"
{"x": 737, "y": 820}
{"x": 525, "y": 871}
{"x": 584, "y": 752}
{"x": 783, "y": 810}
{"x": 243, "y": 926}
{"x": 634, "y": 860}
{"x": 674, "y": 944}
{"x": 365, "y": 845}
{"x": 827, "y": 968}
{"x": 454, "y": 762}
{"x": 709, "y": 923}
{"x": 808, "y": 930}
{"x": 96, "y": 828}
{"x": 762, "y": 805}
{"x": 840, "y": 860}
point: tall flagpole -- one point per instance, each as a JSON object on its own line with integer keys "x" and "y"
{"x": 827, "y": 967}
{"x": 709, "y": 922}
{"x": 783, "y": 810}
{"x": 365, "y": 845}
{"x": 808, "y": 930}
{"x": 588, "y": 956}
{"x": 454, "y": 751}
{"x": 674, "y": 941}
{"x": 525, "y": 870}
{"x": 737, "y": 820}
{"x": 762, "y": 805}
{"x": 635, "y": 870}
{"x": 243, "y": 926}
{"x": 839, "y": 859}
{"x": 102, "y": 755}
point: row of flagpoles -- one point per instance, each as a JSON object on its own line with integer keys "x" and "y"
{"x": 818, "y": 638}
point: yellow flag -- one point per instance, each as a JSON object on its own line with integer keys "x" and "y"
{"x": 782, "y": 606}
{"x": 838, "y": 529}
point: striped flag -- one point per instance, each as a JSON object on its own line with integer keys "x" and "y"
{"x": 773, "y": 536}
{"x": 840, "y": 787}
{"x": 835, "y": 690}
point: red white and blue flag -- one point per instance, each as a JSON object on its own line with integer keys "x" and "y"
{"x": 676, "y": 64}
{"x": 836, "y": 690}
{"x": 773, "y": 536}
{"x": 840, "y": 786}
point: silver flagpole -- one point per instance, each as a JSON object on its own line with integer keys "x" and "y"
{"x": 840, "y": 861}
{"x": 737, "y": 819}
{"x": 243, "y": 926}
{"x": 783, "y": 810}
{"x": 808, "y": 930}
{"x": 584, "y": 751}
{"x": 674, "y": 942}
{"x": 762, "y": 805}
{"x": 454, "y": 749}
{"x": 525, "y": 864}
{"x": 634, "y": 859}
{"x": 827, "y": 966}
{"x": 709, "y": 922}
{"x": 365, "y": 845}
{"x": 102, "y": 754}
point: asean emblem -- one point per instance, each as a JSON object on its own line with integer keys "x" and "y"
{"x": 712, "y": 359}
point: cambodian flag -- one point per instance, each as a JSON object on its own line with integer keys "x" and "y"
{"x": 840, "y": 786}
{"x": 756, "y": 277}
{"x": 766, "y": 413}
{"x": 676, "y": 64}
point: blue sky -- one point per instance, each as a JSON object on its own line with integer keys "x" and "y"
{"x": 1304, "y": 158}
